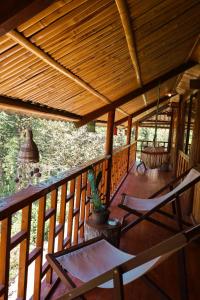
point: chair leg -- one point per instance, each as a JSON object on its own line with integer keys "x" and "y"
{"x": 118, "y": 285}
{"x": 183, "y": 275}
{"x": 163, "y": 295}
{"x": 181, "y": 254}
{"x": 179, "y": 213}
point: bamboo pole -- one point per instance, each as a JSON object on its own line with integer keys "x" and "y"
{"x": 130, "y": 38}
{"x": 17, "y": 37}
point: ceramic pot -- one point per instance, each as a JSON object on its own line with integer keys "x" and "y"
{"x": 100, "y": 217}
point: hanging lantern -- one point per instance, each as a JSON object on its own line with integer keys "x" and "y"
{"x": 91, "y": 127}
{"x": 115, "y": 131}
{"x": 28, "y": 151}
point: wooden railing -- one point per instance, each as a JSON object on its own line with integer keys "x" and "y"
{"x": 120, "y": 160}
{"x": 62, "y": 208}
{"x": 182, "y": 164}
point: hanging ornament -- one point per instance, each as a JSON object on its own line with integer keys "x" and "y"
{"x": 28, "y": 151}
{"x": 28, "y": 169}
{"x": 115, "y": 131}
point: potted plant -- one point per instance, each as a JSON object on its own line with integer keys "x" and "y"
{"x": 100, "y": 213}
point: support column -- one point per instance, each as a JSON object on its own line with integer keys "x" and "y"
{"x": 108, "y": 151}
{"x": 181, "y": 128}
{"x": 174, "y": 135}
{"x": 195, "y": 146}
{"x": 194, "y": 160}
{"x": 136, "y": 131}
{"x": 128, "y": 140}
{"x": 188, "y": 125}
{"x": 136, "y": 138}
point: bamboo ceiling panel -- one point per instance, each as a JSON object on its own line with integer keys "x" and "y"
{"x": 152, "y": 96}
{"x": 184, "y": 84}
{"x": 86, "y": 37}
{"x": 165, "y": 32}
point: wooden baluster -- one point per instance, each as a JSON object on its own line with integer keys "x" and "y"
{"x": 24, "y": 253}
{"x": 39, "y": 243}
{"x": 71, "y": 211}
{"x": 77, "y": 209}
{"x": 5, "y": 255}
{"x": 52, "y": 225}
{"x": 62, "y": 216}
{"x": 83, "y": 199}
{"x": 87, "y": 207}
{"x": 104, "y": 179}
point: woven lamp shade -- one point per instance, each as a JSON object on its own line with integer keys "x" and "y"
{"x": 29, "y": 151}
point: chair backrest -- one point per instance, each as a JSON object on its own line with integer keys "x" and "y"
{"x": 161, "y": 251}
{"x": 191, "y": 178}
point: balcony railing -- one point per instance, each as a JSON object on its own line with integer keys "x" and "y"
{"x": 62, "y": 208}
{"x": 141, "y": 144}
{"x": 183, "y": 163}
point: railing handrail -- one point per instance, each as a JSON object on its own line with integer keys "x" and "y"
{"x": 32, "y": 193}
{"x": 139, "y": 140}
{"x": 186, "y": 157}
{"x": 121, "y": 148}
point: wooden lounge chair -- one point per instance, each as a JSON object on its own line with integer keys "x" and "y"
{"x": 99, "y": 264}
{"x": 144, "y": 208}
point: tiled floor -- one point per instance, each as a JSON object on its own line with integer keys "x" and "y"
{"x": 144, "y": 236}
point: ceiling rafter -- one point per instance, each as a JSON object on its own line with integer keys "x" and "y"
{"x": 179, "y": 78}
{"x": 130, "y": 39}
{"x": 14, "y": 13}
{"x": 136, "y": 93}
{"x": 28, "y": 107}
{"x": 24, "y": 42}
{"x": 142, "y": 110}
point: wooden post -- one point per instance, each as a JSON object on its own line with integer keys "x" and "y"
{"x": 170, "y": 134}
{"x": 136, "y": 137}
{"x": 136, "y": 130}
{"x": 108, "y": 151}
{"x": 195, "y": 146}
{"x": 181, "y": 126}
{"x": 174, "y": 135}
{"x": 188, "y": 125}
{"x": 194, "y": 159}
{"x": 128, "y": 140}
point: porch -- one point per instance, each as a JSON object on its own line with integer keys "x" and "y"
{"x": 142, "y": 237}
{"x": 126, "y": 63}
{"x": 63, "y": 207}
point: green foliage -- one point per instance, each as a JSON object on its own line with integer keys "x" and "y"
{"x": 94, "y": 183}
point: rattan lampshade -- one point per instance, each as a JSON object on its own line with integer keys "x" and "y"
{"x": 29, "y": 151}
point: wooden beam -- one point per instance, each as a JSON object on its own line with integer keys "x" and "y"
{"x": 14, "y": 12}
{"x": 152, "y": 113}
{"x": 189, "y": 57}
{"x": 130, "y": 39}
{"x": 142, "y": 110}
{"x": 154, "y": 121}
{"x": 20, "y": 39}
{"x": 17, "y": 105}
{"x": 195, "y": 84}
{"x": 136, "y": 93}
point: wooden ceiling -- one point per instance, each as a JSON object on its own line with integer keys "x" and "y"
{"x": 78, "y": 56}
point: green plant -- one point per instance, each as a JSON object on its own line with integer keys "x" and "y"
{"x": 95, "y": 194}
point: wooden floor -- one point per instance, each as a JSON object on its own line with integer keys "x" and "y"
{"x": 144, "y": 236}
